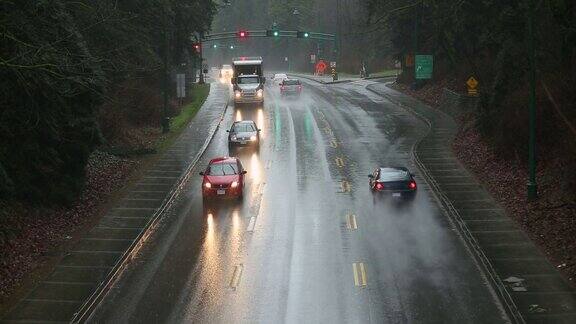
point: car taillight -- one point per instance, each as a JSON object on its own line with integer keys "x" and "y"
{"x": 412, "y": 185}
{"x": 299, "y": 87}
{"x": 379, "y": 186}
{"x": 282, "y": 88}
{"x": 208, "y": 185}
{"x": 234, "y": 184}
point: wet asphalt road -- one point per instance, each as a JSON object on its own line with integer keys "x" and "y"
{"x": 309, "y": 243}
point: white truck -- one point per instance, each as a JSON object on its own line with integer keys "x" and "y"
{"x": 248, "y": 80}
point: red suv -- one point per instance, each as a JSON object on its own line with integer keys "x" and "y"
{"x": 224, "y": 177}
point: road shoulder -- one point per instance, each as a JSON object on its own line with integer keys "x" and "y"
{"x": 88, "y": 270}
{"x": 531, "y": 288}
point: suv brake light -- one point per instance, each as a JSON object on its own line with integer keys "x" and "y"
{"x": 412, "y": 185}
{"x": 379, "y": 186}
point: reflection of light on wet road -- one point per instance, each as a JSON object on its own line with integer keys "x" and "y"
{"x": 235, "y": 220}
{"x": 308, "y": 126}
{"x": 277, "y": 126}
{"x": 255, "y": 168}
{"x": 260, "y": 122}
{"x": 238, "y": 115}
{"x": 210, "y": 269}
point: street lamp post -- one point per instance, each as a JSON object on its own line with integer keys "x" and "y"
{"x": 532, "y": 186}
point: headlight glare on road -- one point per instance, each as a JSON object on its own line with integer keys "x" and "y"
{"x": 208, "y": 185}
{"x": 253, "y": 137}
{"x": 234, "y": 184}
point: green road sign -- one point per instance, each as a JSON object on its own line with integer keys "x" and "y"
{"x": 424, "y": 66}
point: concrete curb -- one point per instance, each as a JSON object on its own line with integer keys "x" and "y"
{"x": 479, "y": 255}
{"x": 88, "y": 307}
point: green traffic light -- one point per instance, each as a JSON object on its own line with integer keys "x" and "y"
{"x": 231, "y": 46}
{"x": 214, "y": 46}
{"x": 305, "y": 34}
{"x": 275, "y": 33}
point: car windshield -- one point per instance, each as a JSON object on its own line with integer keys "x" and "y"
{"x": 393, "y": 175}
{"x": 226, "y": 67}
{"x": 244, "y": 127}
{"x": 291, "y": 82}
{"x": 248, "y": 80}
{"x": 280, "y": 76}
{"x": 222, "y": 169}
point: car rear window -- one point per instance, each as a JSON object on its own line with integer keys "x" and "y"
{"x": 291, "y": 82}
{"x": 240, "y": 128}
{"x": 222, "y": 169}
{"x": 393, "y": 175}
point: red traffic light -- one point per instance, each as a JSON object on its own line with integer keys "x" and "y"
{"x": 242, "y": 34}
{"x": 197, "y": 47}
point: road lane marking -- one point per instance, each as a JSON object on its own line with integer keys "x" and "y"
{"x": 359, "y": 274}
{"x": 236, "y": 275}
{"x": 333, "y": 143}
{"x": 345, "y": 186}
{"x": 251, "y": 224}
{"x": 351, "y": 222}
{"x": 339, "y": 162}
{"x": 328, "y": 130}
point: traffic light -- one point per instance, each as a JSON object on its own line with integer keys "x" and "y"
{"x": 272, "y": 33}
{"x": 215, "y": 46}
{"x": 242, "y": 34}
{"x": 302, "y": 34}
{"x": 197, "y": 47}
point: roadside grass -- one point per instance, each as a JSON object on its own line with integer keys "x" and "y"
{"x": 199, "y": 93}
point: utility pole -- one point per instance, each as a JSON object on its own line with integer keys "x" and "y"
{"x": 201, "y": 78}
{"x": 532, "y": 186}
{"x": 416, "y": 21}
{"x": 338, "y": 33}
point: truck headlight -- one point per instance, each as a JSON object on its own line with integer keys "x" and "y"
{"x": 253, "y": 138}
{"x": 237, "y": 94}
{"x": 259, "y": 93}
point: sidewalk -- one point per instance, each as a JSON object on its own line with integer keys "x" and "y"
{"x": 84, "y": 275}
{"x": 532, "y": 289}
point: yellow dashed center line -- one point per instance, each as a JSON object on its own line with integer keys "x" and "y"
{"x": 333, "y": 143}
{"x": 360, "y": 279}
{"x": 339, "y": 162}
{"x": 351, "y": 222}
{"x": 236, "y": 275}
{"x": 345, "y": 186}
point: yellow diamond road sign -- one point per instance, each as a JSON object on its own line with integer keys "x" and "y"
{"x": 472, "y": 83}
